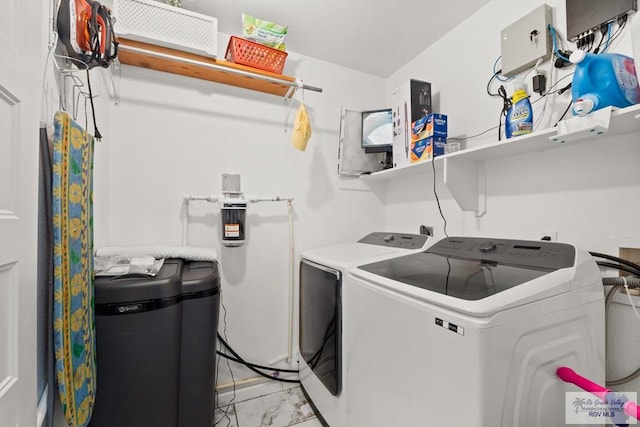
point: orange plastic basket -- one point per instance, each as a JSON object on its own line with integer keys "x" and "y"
{"x": 246, "y": 52}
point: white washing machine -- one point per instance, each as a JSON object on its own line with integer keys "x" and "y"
{"x": 470, "y": 333}
{"x": 322, "y": 327}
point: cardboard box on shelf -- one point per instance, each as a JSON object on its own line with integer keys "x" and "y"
{"x": 438, "y": 143}
{"x": 410, "y": 102}
{"x": 421, "y": 150}
{"x": 436, "y": 125}
{"x": 427, "y": 148}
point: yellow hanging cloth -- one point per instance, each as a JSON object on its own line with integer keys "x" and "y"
{"x": 301, "y": 129}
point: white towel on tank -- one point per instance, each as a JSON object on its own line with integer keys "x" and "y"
{"x": 188, "y": 253}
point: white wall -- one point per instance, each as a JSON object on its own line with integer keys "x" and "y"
{"x": 588, "y": 192}
{"x": 171, "y": 135}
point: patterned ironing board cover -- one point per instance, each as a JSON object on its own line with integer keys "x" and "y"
{"x": 74, "y": 322}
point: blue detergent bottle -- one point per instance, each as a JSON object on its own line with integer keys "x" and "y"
{"x": 519, "y": 120}
{"x": 603, "y": 80}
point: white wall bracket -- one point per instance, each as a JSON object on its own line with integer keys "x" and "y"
{"x": 467, "y": 182}
{"x": 580, "y": 127}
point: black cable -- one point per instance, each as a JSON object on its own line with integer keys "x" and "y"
{"x": 618, "y": 267}
{"x": 603, "y": 33}
{"x": 472, "y": 136}
{"x": 328, "y": 333}
{"x": 618, "y": 32}
{"x": 564, "y": 89}
{"x": 93, "y": 29}
{"x": 559, "y": 91}
{"x": 597, "y": 49}
{"x": 491, "y": 79}
{"x": 233, "y": 380}
{"x": 549, "y": 92}
{"x": 226, "y": 356}
{"x": 284, "y": 380}
{"x": 96, "y": 132}
{"x": 616, "y": 259}
{"x": 506, "y": 104}
{"x": 565, "y": 113}
{"x": 433, "y": 164}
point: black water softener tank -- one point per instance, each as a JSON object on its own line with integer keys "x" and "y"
{"x": 156, "y": 339}
{"x": 200, "y": 308}
{"x": 138, "y": 342}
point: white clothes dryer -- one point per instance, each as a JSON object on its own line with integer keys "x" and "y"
{"x": 321, "y": 315}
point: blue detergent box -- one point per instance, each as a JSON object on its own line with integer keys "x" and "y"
{"x": 427, "y": 148}
{"x": 436, "y": 125}
{"x": 428, "y": 137}
{"x": 437, "y": 144}
{"x": 421, "y": 150}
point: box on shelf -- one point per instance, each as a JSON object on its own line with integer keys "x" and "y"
{"x": 428, "y": 137}
{"x": 429, "y": 125}
{"x": 438, "y": 143}
{"x": 419, "y": 129}
{"x": 427, "y": 148}
{"x": 160, "y": 24}
{"x": 409, "y": 102}
{"x": 436, "y": 125}
{"x": 437, "y": 130}
{"x": 420, "y": 150}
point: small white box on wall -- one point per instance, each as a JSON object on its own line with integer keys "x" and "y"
{"x": 409, "y": 102}
{"x": 160, "y": 24}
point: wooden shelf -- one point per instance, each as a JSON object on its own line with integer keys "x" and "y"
{"x": 461, "y": 169}
{"x": 201, "y": 67}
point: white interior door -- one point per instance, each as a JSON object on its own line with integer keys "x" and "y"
{"x": 21, "y": 32}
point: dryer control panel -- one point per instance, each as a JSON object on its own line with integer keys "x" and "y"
{"x": 395, "y": 240}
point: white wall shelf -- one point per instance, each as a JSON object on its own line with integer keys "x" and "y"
{"x": 464, "y": 171}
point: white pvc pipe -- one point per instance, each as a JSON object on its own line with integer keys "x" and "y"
{"x": 185, "y": 222}
{"x": 289, "y": 200}
{"x": 208, "y": 198}
{"x": 185, "y": 214}
{"x": 254, "y": 199}
{"x": 291, "y": 287}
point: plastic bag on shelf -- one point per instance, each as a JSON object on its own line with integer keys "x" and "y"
{"x": 264, "y": 32}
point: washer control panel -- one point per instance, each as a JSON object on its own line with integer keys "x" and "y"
{"x": 395, "y": 240}
{"x": 531, "y": 253}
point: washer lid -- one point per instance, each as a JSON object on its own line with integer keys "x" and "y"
{"x": 456, "y": 277}
{"x": 483, "y": 276}
{"x": 369, "y": 248}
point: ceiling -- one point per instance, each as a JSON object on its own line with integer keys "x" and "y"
{"x": 372, "y": 36}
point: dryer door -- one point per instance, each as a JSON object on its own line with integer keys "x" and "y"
{"x": 321, "y": 322}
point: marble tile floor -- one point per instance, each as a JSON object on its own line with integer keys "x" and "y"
{"x": 279, "y": 409}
